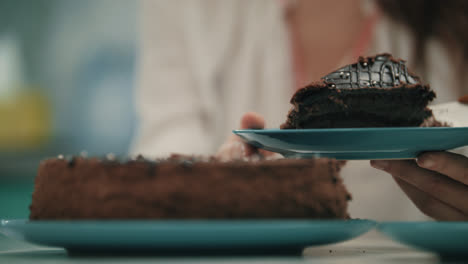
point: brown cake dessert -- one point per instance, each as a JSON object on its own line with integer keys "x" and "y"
{"x": 376, "y": 91}
{"x": 188, "y": 188}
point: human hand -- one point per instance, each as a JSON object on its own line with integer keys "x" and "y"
{"x": 235, "y": 148}
{"x": 437, "y": 183}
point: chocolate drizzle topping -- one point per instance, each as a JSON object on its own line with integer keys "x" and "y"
{"x": 381, "y": 71}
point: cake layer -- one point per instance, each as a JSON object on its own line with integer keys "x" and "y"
{"x": 319, "y": 106}
{"x": 188, "y": 189}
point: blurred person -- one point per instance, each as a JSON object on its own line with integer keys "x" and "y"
{"x": 205, "y": 63}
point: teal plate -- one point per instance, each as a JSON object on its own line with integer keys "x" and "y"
{"x": 357, "y": 143}
{"x": 277, "y": 236}
{"x": 448, "y": 239}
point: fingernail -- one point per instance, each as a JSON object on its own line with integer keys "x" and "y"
{"x": 426, "y": 161}
{"x": 379, "y": 164}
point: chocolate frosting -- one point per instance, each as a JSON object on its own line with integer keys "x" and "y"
{"x": 380, "y": 71}
{"x": 189, "y": 187}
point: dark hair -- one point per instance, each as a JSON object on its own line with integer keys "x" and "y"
{"x": 445, "y": 20}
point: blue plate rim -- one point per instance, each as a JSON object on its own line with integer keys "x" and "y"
{"x": 186, "y": 224}
{"x": 332, "y": 130}
{"x": 421, "y": 223}
{"x": 6, "y": 222}
{"x": 181, "y": 232}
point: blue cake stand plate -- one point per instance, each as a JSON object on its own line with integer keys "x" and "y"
{"x": 357, "y": 143}
{"x": 187, "y": 236}
{"x": 449, "y": 239}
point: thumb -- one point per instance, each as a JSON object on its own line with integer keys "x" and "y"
{"x": 252, "y": 120}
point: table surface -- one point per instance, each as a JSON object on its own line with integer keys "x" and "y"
{"x": 370, "y": 248}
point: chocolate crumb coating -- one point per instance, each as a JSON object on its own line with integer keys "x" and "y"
{"x": 376, "y": 91}
{"x": 182, "y": 187}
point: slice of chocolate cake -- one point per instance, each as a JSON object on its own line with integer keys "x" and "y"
{"x": 376, "y": 91}
{"x": 188, "y": 188}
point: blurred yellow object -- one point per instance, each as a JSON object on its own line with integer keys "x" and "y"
{"x": 25, "y": 121}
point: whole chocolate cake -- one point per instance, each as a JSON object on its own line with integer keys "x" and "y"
{"x": 376, "y": 91}
{"x": 183, "y": 187}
